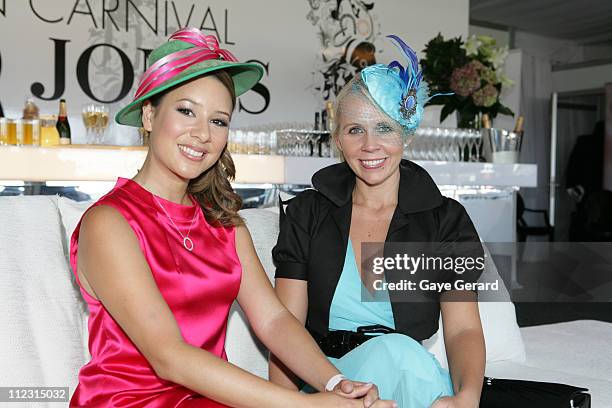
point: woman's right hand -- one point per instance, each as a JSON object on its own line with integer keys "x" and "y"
{"x": 333, "y": 400}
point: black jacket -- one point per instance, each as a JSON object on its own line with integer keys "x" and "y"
{"x": 314, "y": 235}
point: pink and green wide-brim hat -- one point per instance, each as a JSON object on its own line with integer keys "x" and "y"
{"x": 188, "y": 54}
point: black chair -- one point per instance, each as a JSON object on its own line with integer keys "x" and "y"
{"x": 597, "y": 216}
{"x": 523, "y": 229}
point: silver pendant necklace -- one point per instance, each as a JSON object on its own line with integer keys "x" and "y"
{"x": 187, "y": 242}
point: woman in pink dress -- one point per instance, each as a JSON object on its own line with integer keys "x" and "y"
{"x": 162, "y": 256}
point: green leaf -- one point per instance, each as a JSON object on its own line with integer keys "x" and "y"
{"x": 446, "y": 110}
{"x": 441, "y": 58}
{"x": 504, "y": 110}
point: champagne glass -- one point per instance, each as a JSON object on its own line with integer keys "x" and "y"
{"x": 453, "y": 141}
{"x": 478, "y": 137}
{"x": 102, "y": 120}
{"x": 88, "y": 114}
{"x": 462, "y": 143}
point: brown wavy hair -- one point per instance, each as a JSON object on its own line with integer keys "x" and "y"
{"x": 212, "y": 189}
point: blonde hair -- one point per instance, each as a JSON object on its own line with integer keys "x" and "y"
{"x": 356, "y": 86}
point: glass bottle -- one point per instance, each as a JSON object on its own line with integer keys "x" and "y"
{"x": 62, "y": 125}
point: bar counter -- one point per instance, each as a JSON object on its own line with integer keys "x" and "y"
{"x": 106, "y": 163}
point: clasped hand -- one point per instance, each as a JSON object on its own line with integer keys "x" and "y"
{"x": 359, "y": 394}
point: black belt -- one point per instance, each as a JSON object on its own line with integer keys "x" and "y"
{"x": 339, "y": 342}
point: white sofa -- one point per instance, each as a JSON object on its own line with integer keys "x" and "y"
{"x": 43, "y": 324}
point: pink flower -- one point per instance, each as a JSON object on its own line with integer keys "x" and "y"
{"x": 466, "y": 80}
{"x": 486, "y": 96}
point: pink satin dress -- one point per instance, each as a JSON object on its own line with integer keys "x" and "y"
{"x": 199, "y": 287}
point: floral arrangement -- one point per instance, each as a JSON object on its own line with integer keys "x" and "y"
{"x": 472, "y": 71}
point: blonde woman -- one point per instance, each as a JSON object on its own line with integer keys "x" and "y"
{"x": 376, "y": 196}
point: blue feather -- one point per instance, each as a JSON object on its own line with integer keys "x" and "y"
{"x": 410, "y": 54}
{"x": 419, "y": 77}
{"x": 406, "y": 77}
{"x": 396, "y": 64}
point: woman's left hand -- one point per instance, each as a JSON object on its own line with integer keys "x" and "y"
{"x": 357, "y": 389}
{"x": 457, "y": 401}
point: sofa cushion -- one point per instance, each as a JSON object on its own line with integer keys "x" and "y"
{"x": 502, "y": 335}
{"x": 70, "y": 212}
{"x": 501, "y": 332}
{"x": 43, "y": 325}
{"x": 242, "y": 347}
{"x": 263, "y": 226}
{"x": 580, "y": 347}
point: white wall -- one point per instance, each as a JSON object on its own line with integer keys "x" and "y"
{"x": 580, "y": 79}
{"x": 560, "y": 52}
{"x": 511, "y": 96}
{"x": 551, "y": 49}
{"x": 501, "y": 37}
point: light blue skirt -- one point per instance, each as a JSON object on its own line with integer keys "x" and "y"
{"x": 403, "y": 370}
{"x": 401, "y": 367}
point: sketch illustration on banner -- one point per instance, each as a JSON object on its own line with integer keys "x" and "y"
{"x": 347, "y": 32}
{"x": 109, "y": 81}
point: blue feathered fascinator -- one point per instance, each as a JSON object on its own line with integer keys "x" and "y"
{"x": 398, "y": 90}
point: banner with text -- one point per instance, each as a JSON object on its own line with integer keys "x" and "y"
{"x": 94, "y": 50}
